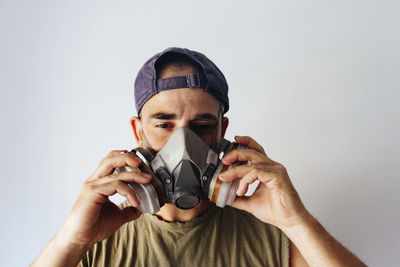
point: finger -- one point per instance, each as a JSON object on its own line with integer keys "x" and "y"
{"x": 133, "y": 176}
{"x": 244, "y": 183}
{"x": 245, "y": 155}
{"x": 107, "y": 187}
{"x": 250, "y": 142}
{"x": 130, "y": 213}
{"x": 241, "y": 203}
{"x": 114, "y": 153}
{"x": 108, "y": 164}
{"x": 233, "y": 173}
{"x": 264, "y": 174}
{"x": 124, "y": 177}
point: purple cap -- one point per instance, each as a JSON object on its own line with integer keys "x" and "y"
{"x": 210, "y": 80}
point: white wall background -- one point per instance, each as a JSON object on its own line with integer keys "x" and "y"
{"x": 316, "y": 82}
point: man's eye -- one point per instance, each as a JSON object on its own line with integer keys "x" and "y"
{"x": 203, "y": 128}
{"x": 163, "y": 125}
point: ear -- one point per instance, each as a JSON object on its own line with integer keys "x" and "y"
{"x": 136, "y": 124}
{"x": 225, "y": 122}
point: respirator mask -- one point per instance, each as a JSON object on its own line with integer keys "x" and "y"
{"x": 185, "y": 171}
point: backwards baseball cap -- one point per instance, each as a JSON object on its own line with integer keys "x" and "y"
{"x": 210, "y": 79}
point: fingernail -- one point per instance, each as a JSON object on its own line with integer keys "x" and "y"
{"x": 133, "y": 201}
{"x": 226, "y": 157}
{"x": 147, "y": 175}
{"x": 226, "y": 161}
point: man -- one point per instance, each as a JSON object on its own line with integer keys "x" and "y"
{"x": 256, "y": 232}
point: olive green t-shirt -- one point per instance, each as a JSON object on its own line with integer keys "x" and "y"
{"x": 219, "y": 237}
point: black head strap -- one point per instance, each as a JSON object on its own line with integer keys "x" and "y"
{"x": 148, "y": 155}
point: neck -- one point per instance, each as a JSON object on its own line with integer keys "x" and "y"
{"x": 170, "y": 213}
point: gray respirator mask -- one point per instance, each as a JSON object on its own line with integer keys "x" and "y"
{"x": 185, "y": 171}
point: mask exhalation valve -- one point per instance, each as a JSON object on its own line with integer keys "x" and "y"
{"x": 188, "y": 198}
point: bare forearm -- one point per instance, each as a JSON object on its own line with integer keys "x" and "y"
{"x": 318, "y": 247}
{"x": 60, "y": 253}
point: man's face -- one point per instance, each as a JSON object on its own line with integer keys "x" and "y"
{"x": 170, "y": 110}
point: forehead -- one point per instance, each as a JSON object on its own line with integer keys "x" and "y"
{"x": 185, "y": 102}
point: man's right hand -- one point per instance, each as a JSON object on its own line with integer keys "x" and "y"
{"x": 94, "y": 217}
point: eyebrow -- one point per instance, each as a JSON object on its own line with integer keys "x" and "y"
{"x": 163, "y": 116}
{"x": 205, "y": 117}
{"x": 173, "y": 116}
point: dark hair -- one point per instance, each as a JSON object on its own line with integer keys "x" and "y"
{"x": 175, "y": 62}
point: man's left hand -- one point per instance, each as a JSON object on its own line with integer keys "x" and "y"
{"x": 275, "y": 199}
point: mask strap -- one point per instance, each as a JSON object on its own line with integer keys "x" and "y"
{"x": 215, "y": 143}
{"x": 147, "y": 154}
{"x": 148, "y": 146}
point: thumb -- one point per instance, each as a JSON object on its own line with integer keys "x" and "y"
{"x": 241, "y": 203}
{"x": 130, "y": 213}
